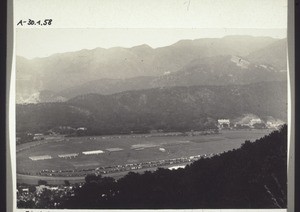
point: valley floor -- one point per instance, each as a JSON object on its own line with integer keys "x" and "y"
{"x": 121, "y": 154}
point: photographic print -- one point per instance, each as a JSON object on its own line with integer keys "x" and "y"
{"x": 152, "y": 118}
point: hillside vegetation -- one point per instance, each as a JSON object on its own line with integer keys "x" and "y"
{"x": 168, "y": 109}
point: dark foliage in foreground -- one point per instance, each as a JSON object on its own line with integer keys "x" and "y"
{"x": 253, "y": 176}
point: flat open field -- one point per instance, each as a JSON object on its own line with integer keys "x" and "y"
{"x": 121, "y": 150}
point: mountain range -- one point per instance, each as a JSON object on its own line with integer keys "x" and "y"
{"x": 232, "y": 60}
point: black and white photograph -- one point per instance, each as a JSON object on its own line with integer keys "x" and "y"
{"x": 154, "y": 118}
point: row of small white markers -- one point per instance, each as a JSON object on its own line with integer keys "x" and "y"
{"x": 93, "y": 152}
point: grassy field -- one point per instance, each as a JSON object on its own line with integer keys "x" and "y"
{"x": 129, "y": 149}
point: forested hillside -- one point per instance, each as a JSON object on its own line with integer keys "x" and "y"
{"x": 168, "y": 109}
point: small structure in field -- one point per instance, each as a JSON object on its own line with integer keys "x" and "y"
{"x": 94, "y": 152}
{"x": 72, "y": 155}
{"x": 40, "y": 157}
{"x": 38, "y": 137}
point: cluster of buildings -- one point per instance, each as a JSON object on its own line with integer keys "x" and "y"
{"x": 29, "y": 194}
{"x": 249, "y": 122}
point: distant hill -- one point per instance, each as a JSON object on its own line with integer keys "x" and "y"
{"x": 174, "y": 108}
{"x": 221, "y": 70}
{"x": 64, "y": 71}
{"x": 273, "y": 54}
{"x": 43, "y": 96}
{"x": 109, "y": 86}
{"x": 217, "y": 70}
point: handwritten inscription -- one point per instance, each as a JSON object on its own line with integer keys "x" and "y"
{"x": 45, "y": 22}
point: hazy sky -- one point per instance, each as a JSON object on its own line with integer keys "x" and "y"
{"x": 79, "y": 24}
{"x": 32, "y": 43}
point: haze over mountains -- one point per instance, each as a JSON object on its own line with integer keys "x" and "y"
{"x": 211, "y": 61}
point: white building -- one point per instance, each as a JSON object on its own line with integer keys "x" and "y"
{"x": 255, "y": 121}
{"x": 82, "y": 128}
{"x": 223, "y": 123}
